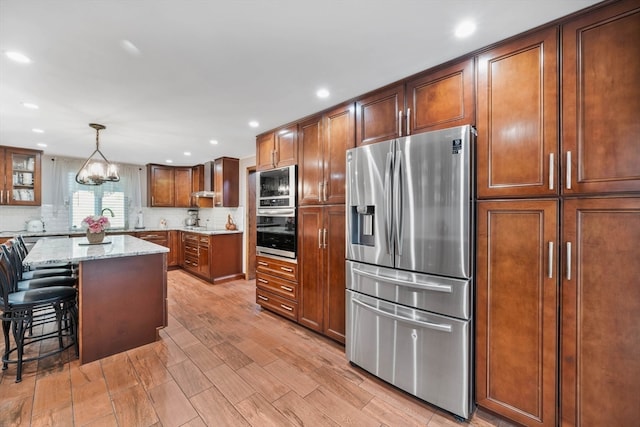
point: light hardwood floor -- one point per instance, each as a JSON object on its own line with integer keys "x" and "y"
{"x": 222, "y": 361}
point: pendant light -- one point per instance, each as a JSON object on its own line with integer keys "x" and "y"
{"x": 97, "y": 169}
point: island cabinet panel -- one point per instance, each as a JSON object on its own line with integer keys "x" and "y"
{"x": 20, "y": 176}
{"x": 123, "y": 303}
{"x": 517, "y": 118}
{"x": 600, "y": 346}
{"x": 441, "y": 98}
{"x": 225, "y": 257}
{"x": 517, "y": 309}
{"x": 277, "y": 149}
{"x": 601, "y": 101}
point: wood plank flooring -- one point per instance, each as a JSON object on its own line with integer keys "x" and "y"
{"x": 222, "y": 361}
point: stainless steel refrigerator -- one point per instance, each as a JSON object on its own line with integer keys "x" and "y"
{"x": 409, "y": 264}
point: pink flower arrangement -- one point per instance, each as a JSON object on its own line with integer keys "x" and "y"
{"x": 96, "y": 223}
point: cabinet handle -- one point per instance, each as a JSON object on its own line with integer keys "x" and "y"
{"x": 550, "y": 275}
{"x": 319, "y": 238}
{"x": 262, "y": 280}
{"x": 408, "y": 121}
{"x": 551, "y": 170}
{"x": 399, "y": 123}
{"x": 568, "y": 260}
{"x": 320, "y": 191}
{"x": 263, "y": 298}
{"x": 286, "y": 307}
{"x": 326, "y": 184}
{"x": 324, "y": 238}
{"x": 568, "y": 170}
{"x": 1, "y": 197}
{"x": 273, "y": 158}
{"x": 266, "y": 264}
{"x": 287, "y": 269}
{"x": 286, "y": 288}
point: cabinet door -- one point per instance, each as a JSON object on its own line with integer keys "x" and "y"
{"x": 339, "y": 136}
{"x": 441, "y": 99}
{"x": 310, "y": 173}
{"x": 286, "y": 147}
{"x": 601, "y": 100}
{"x": 160, "y": 181}
{"x": 378, "y": 116}
{"x": 310, "y": 262}
{"x": 517, "y": 300}
{"x": 600, "y": 343}
{"x": 225, "y": 181}
{"x": 174, "y": 248}
{"x": 334, "y": 278}
{"x": 183, "y": 186}
{"x": 20, "y": 170}
{"x": 197, "y": 183}
{"x": 204, "y": 266}
{"x": 265, "y": 146}
{"x": 517, "y": 117}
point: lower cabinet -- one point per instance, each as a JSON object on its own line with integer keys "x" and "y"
{"x": 163, "y": 238}
{"x": 321, "y": 257}
{"x": 277, "y": 286}
{"x": 517, "y": 309}
{"x": 558, "y": 297}
{"x": 215, "y": 258}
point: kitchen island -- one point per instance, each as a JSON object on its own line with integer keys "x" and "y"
{"x": 122, "y": 290}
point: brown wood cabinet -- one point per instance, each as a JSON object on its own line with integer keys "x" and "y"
{"x": 20, "y": 176}
{"x": 322, "y": 145}
{"x": 517, "y": 309}
{"x": 277, "y": 286}
{"x": 277, "y": 149}
{"x": 517, "y": 150}
{"x": 601, "y": 101}
{"x": 169, "y": 186}
{"x": 164, "y": 238}
{"x": 216, "y": 258}
{"x": 600, "y": 346}
{"x": 321, "y": 255}
{"x": 436, "y": 99}
{"x": 226, "y": 177}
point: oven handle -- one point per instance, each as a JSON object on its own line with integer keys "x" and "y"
{"x": 420, "y": 285}
{"x": 277, "y": 212}
{"x": 421, "y": 324}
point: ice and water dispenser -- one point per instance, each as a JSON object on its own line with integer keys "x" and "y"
{"x": 362, "y": 228}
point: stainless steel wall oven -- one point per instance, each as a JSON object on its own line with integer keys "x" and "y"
{"x": 277, "y": 233}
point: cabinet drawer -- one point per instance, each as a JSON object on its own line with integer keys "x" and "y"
{"x": 191, "y": 238}
{"x": 192, "y": 250}
{"x": 152, "y": 235}
{"x": 276, "y": 267}
{"x": 283, "y": 288}
{"x": 203, "y": 241}
{"x": 277, "y": 304}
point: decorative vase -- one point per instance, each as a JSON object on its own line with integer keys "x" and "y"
{"x": 95, "y": 237}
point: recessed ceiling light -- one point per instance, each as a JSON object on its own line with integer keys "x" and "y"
{"x": 187, "y": 153}
{"x": 465, "y": 29}
{"x": 37, "y": 130}
{"x": 18, "y": 57}
{"x": 30, "y": 105}
{"x": 322, "y": 93}
{"x": 213, "y": 142}
{"x": 41, "y": 144}
{"x": 130, "y": 48}
{"x": 169, "y": 161}
{"x": 254, "y": 124}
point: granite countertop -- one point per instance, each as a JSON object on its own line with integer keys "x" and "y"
{"x": 123, "y": 230}
{"x": 76, "y": 249}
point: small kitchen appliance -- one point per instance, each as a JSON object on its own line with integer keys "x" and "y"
{"x": 192, "y": 219}
{"x": 35, "y": 226}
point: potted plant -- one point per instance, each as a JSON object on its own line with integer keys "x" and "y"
{"x": 95, "y": 226}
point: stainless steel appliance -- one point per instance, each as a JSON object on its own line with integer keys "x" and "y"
{"x": 276, "y": 188}
{"x": 409, "y": 264}
{"x": 276, "y": 229}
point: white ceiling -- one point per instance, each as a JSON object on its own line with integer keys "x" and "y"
{"x": 205, "y": 68}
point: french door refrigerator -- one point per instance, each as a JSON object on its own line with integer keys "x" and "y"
{"x": 409, "y": 264}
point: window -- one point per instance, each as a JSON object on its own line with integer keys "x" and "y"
{"x": 91, "y": 200}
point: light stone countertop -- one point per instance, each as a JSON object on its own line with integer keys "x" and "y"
{"x": 79, "y": 232}
{"x": 76, "y": 249}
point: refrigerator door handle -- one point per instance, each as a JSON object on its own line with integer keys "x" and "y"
{"x": 411, "y": 284}
{"x": 436, "y": 326}
{"x": 387, "y": 202}
{"x": 397, "y": 205}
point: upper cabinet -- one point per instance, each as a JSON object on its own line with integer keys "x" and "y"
{"x": 277, "y": 149}
{"x": 436, "y": 99}
{"x": 517, "y": 107}
{"x": 20, "y": 172}
{"x": 226, "y": 182}
{"x": 169, "y": 186}
{"x": 601, "y": 101}
{"x": 322, "y": 144}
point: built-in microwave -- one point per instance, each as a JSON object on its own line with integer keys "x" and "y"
{"x": 276, "y": 188}
{"x": 276, "y": 232}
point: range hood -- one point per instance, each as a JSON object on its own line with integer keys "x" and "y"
{"x": 207, "y": 191}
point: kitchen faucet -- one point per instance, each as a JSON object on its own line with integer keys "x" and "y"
{"x": 107, "y": 209}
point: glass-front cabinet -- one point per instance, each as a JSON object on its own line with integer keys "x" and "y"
{"x": 20, "y": 182}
